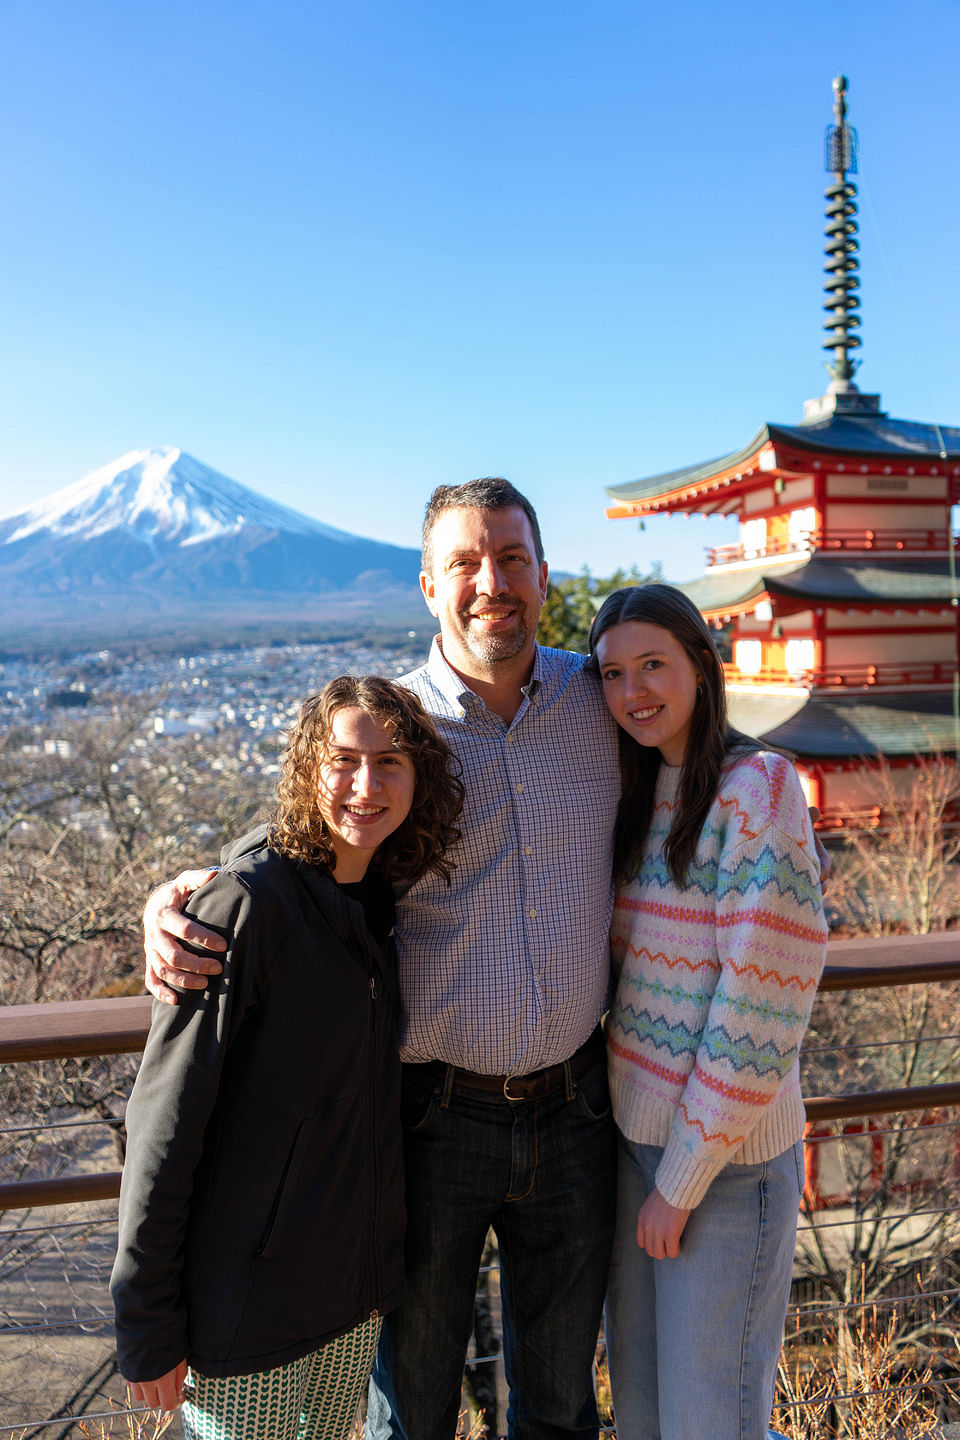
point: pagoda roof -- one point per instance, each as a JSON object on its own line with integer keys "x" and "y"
{"x": 724, "y": 592}
{"x": 916, "y": 580}
{"x": 839, "y": 726}
{"x": 868, "y": 435}
{"x": 655, "y": 485}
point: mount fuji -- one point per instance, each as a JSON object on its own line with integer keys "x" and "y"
{"x": 159, "y": 534}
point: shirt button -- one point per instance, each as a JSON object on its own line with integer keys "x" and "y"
{"x": 528, "y": 849}
{"x": 520, "y": 788}
{"x": 532, "y": 913}
{"x": 509, "y": 737}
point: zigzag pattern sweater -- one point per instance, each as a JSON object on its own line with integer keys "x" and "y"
{"x": 716, "y": 980}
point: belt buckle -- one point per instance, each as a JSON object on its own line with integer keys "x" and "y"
{"x": 514, "y": 1099}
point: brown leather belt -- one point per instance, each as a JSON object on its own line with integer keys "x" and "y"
{"x": 527, "y": 1087}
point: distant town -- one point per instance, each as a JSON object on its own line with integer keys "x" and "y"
{"x": 253, "y": 691}
{"x": 220, "y": 712}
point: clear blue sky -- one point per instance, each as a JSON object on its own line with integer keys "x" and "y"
{"x": 344, "y": 252}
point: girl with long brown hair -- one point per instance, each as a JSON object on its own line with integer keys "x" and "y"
{"x": 718, "y": 940}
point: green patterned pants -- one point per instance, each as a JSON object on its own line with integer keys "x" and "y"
{"x": 314, "y": 1398}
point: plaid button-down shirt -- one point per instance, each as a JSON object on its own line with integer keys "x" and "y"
{"x": 507, "y": 970}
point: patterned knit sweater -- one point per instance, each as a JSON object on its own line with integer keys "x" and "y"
{"x": 716, "y": 980}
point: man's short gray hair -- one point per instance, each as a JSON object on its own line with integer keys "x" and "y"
{"x": 492, "y": 492}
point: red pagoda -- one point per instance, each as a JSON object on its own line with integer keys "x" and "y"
{"x": 843, "y": 587}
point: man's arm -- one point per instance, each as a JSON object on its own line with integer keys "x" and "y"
{"x": 164, "y": 926}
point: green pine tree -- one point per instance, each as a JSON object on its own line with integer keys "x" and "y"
{"x": 570, "y": 605}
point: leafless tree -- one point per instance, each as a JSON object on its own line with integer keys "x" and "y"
{"x": 895, "y": 1231}
{"x": 86, "y": 830}
{"x": 898, "y": 870}
{"x": 893, "y": 1184}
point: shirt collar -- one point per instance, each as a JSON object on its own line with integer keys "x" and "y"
{"x": 457, "y": 693}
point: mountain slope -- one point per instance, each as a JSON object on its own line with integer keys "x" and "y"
{"x": 158, "y": 531}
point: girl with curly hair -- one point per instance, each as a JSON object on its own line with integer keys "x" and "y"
{"x": 261, "y": 1215}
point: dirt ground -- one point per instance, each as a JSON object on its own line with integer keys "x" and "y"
{"x": 56, "y": 1322}
{"x": 56, "y": 1329}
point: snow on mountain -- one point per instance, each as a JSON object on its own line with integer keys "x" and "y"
{"x": 160, "y": 495}
{"x": 157, "y": 530}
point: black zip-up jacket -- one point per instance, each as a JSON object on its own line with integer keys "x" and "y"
{"x": 261, "y": 1212}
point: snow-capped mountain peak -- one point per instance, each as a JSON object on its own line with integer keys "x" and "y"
{"x": 161, "y": 495}
{"x": 157, "y": 534}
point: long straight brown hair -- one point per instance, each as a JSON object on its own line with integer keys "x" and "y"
{"x": 710, "y": 742}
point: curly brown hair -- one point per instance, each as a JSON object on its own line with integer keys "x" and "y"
{"x": 420, "y": 844}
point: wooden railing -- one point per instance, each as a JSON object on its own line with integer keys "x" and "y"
{"x": 119, "y": 1026}
{"x": 114, "y": 1027}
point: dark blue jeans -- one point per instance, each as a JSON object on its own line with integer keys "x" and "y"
{"x": 542, "y": 1174}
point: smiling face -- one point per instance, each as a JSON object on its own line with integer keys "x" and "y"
{"x": 649, "y": 684}
{"x": 366, "y": 789}
{"x": 486, "y": 588}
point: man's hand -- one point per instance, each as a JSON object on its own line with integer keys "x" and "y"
{"x": 659, "y": 1227}
{"x": 164, "y": 925}
{"x": 165, "y": 1393}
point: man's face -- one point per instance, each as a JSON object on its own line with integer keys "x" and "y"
{"x": 486, "y": 588}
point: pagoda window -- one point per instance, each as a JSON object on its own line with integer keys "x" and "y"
{"x": 749, "y": 656}
{"x": 802, "y": 523}
{"x": 798, "y": 656}
{"x": 808, "y": 785}
{"x": 753, "y": 537}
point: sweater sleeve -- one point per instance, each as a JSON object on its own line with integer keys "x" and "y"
{"x": 167, "y": 1116}
{"x": 771, "y": 945}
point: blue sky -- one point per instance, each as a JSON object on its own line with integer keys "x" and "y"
{"x": 346, "y": 252}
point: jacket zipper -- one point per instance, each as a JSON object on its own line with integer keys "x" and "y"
{"x": 374, "y": 1146}
{"x": 362, "y": 931}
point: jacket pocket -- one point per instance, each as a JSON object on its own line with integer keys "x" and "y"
{"x": 269, "y": 1240}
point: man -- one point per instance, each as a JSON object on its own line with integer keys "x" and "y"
{"x": 504, "y": 977}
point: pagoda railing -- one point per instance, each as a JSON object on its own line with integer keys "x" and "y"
{"x": 874, "y": 817}
{"x": 916, "y": 542}
{"x": 785, "y": 545}
{"x": 849, "y": 677}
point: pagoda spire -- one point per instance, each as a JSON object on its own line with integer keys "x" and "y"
{"x": 842, "y": 264}
{"x": 842, "y": 267}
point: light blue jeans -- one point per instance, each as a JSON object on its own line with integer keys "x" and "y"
{"x": 693, "y": 1343}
